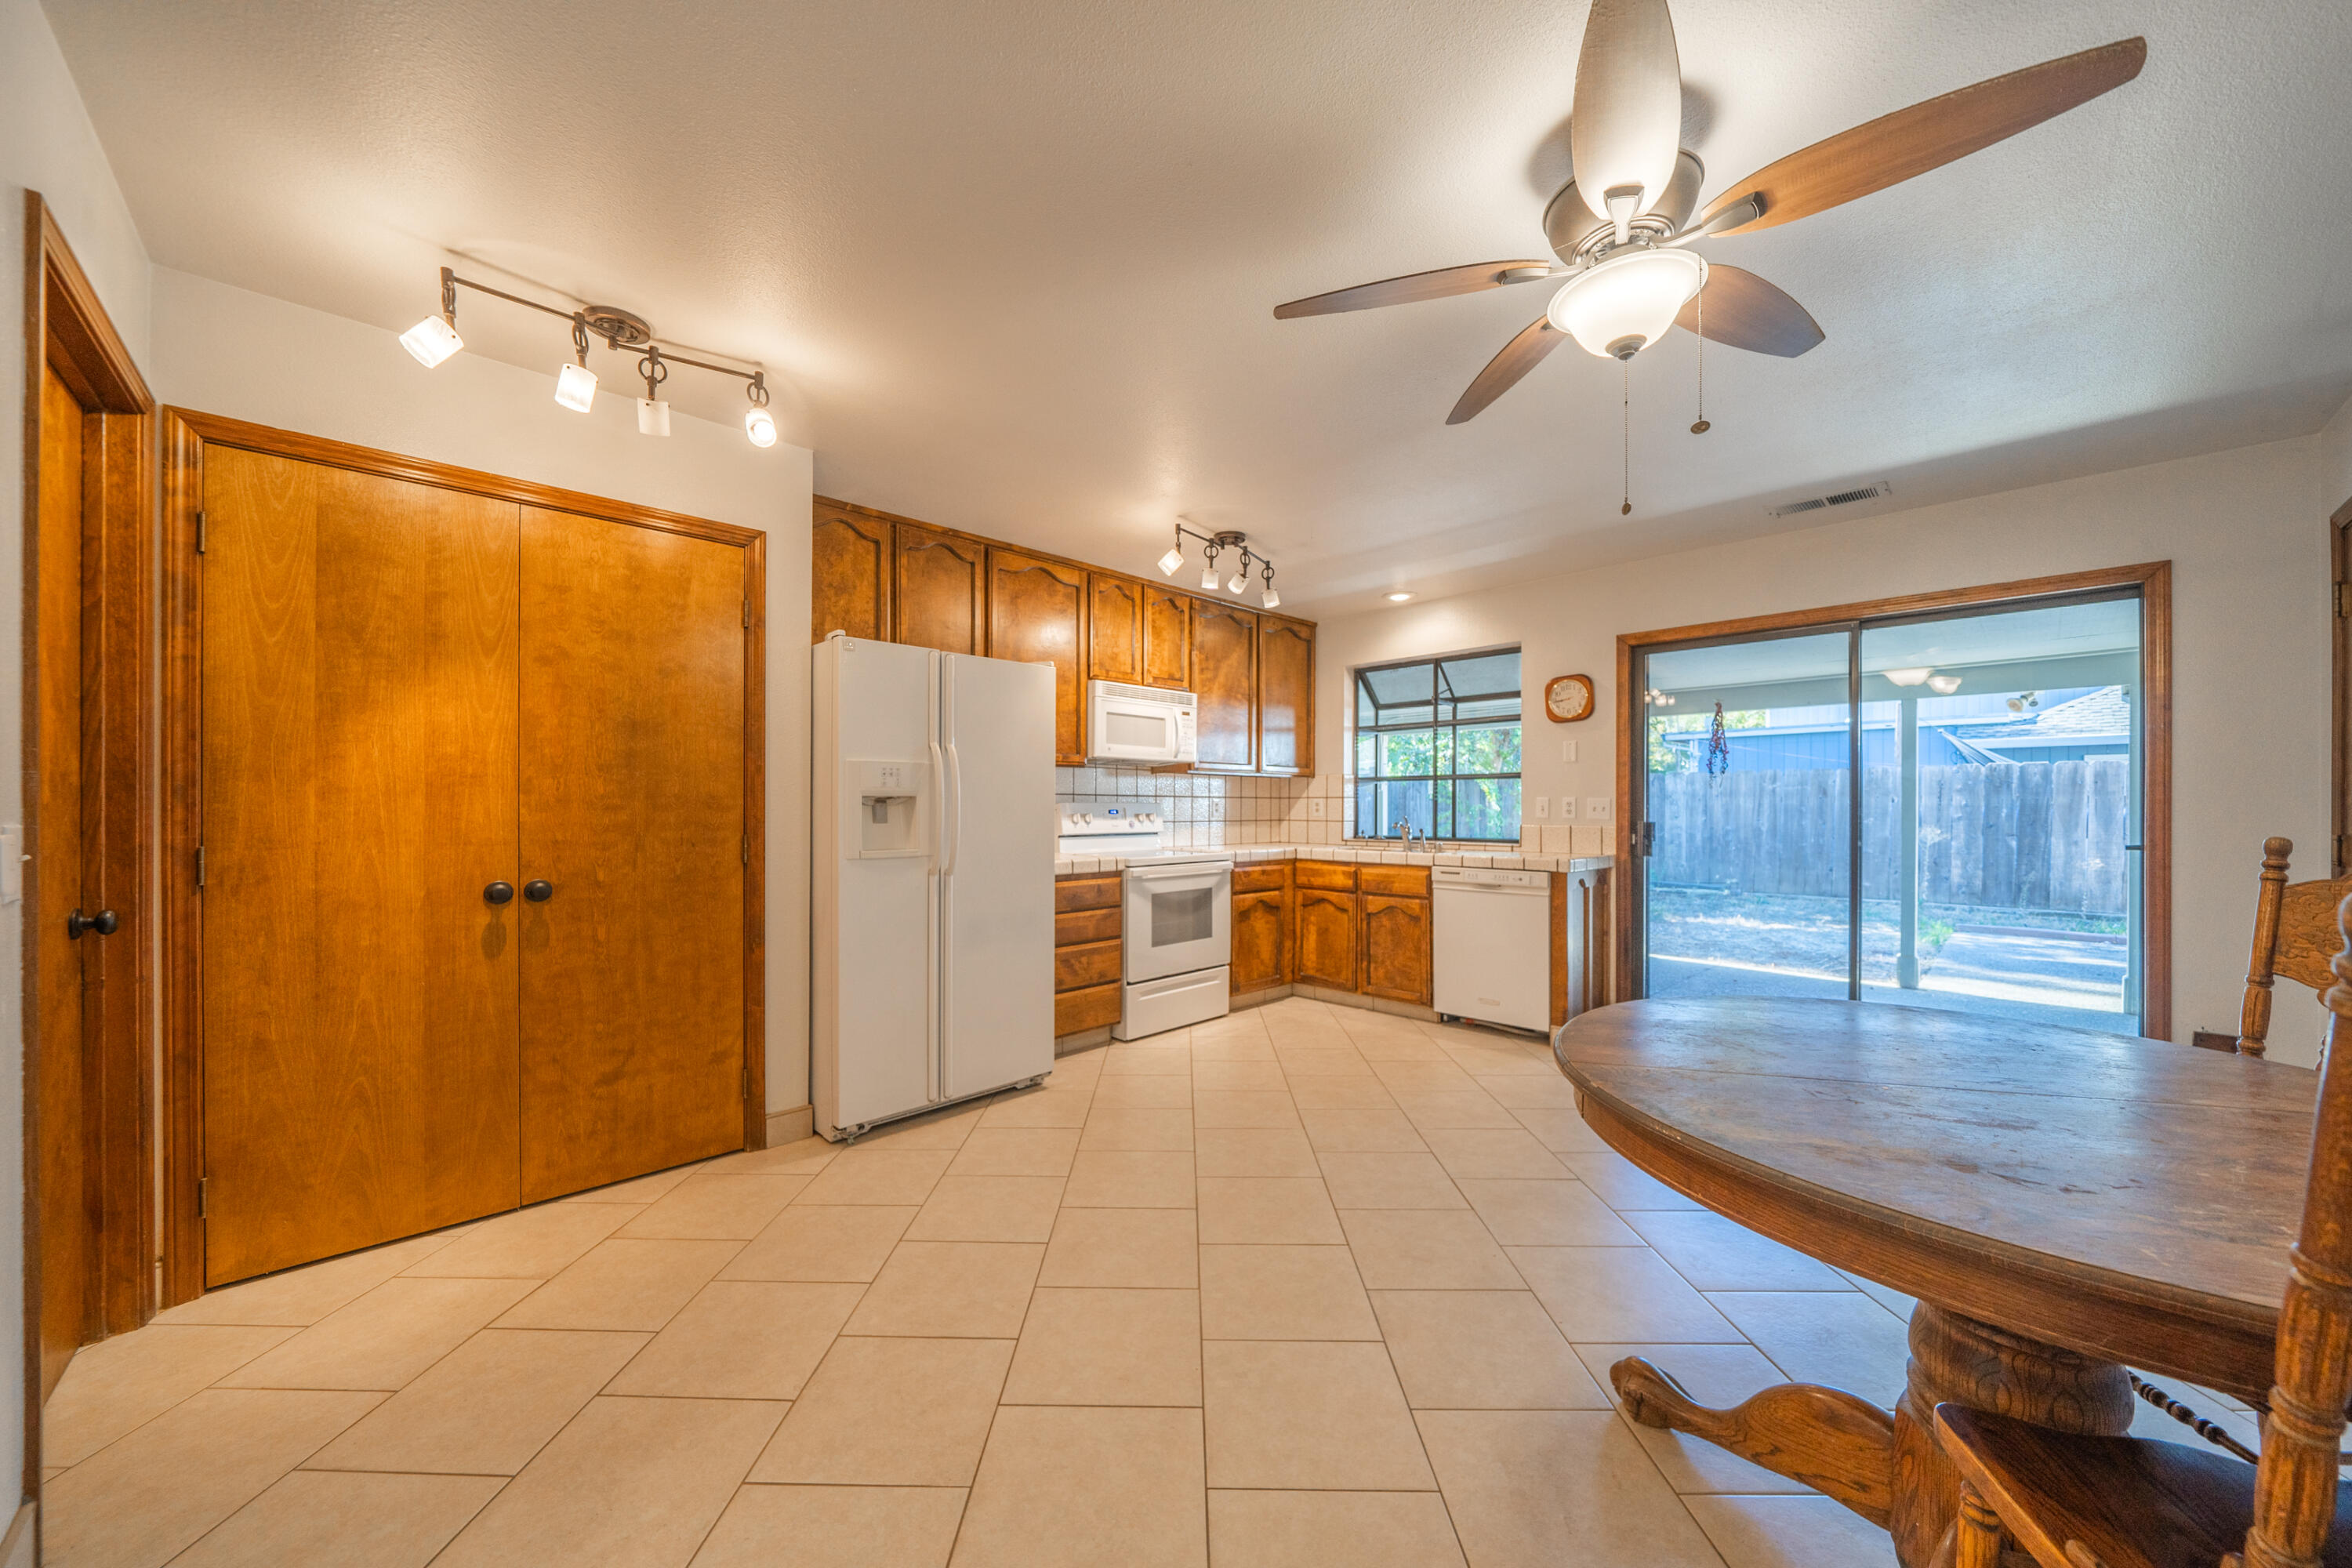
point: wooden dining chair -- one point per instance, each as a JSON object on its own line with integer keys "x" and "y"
{"x": 2294, "y": 930}
{"x": 2075, "y": 1501}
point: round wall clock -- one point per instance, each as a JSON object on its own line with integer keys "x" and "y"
{"x": 1568, "y": 697}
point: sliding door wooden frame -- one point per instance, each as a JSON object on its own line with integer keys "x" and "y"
{"x": 186, "y": 434}
{"x": 67, "y": 328}
{"x": 2339, "y": 751}
{"x": 2153, "y": 579}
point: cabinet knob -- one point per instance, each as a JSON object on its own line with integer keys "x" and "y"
{"x": 538, "y": 890}
{"x": 498, "y": 893}
{"x": 104, "y": 923}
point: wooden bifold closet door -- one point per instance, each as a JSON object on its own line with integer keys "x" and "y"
{"x": 409, "y": 694}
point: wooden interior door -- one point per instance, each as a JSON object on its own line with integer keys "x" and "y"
{"x": 633, "y": 1018}
{"x": 358, "y": 683}
{"x": 65, "y": 968}
{"x": 1038, "y": 615}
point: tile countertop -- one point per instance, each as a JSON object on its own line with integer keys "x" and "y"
{"x": 1253, "y": 854}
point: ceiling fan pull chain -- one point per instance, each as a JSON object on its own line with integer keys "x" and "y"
{"x": 1627, "y": 509}
{"x": 1699, "y": 303}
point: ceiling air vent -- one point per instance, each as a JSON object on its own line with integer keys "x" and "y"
{"x": 1840, "y": 498}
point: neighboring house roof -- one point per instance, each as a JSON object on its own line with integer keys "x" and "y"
{"x": 2102, "y": 716}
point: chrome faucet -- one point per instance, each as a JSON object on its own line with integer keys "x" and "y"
{"x": 1405, "y": 830}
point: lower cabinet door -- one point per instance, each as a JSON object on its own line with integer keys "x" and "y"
{"x": 1258, "y": 941}
{"x": 1326, "y": 951}
{"x": 1396, "y": 948}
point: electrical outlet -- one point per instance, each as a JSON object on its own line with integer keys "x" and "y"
{"x": 1567, "y": 750}
{"x": 1543, "y": 806}
{"x": 1598, "y": 809}
{"x": 1567, "y": 808}
{"x": 1314, "y": 806}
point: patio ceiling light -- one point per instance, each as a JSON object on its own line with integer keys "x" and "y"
{"x": 1944, "y": 685}
{"x": 1907, "y": 677}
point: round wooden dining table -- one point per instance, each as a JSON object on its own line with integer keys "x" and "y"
{"x": 2061, "y": 1202}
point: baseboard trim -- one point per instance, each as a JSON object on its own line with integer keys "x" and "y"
{"x": 791, "y": 1126}
{"x": 1369, "y": 1003}
{"x": 17, "y": 1546}
{"x": 1249, "y": 999}
{"x": 1084, "y": 1040}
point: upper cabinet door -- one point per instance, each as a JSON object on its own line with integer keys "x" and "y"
{"x": 938, "y": 585}
{"x": 1167, "y": 637}
{"x": 1037, "y": 613}
{"x": 1286, "y": 696}
{"x": 1224, "y": 683}
{"x": 1114, "y": 629}
{"x": 849, "y": 587}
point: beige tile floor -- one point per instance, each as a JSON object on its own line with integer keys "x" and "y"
{"x": 1309, "y": 1285}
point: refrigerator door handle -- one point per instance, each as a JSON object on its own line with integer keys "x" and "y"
{"x": 938, "y": 811}
{"x": 955, "y": 789}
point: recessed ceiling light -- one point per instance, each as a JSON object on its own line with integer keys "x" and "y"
{"x": 1398, "y": 598}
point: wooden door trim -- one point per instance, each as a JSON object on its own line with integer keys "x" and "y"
{"x": 185, "y": 435}
{"x": 2154, "y": 580}
{"x": 67, "y": 326}
{"x": 217, "y": 430}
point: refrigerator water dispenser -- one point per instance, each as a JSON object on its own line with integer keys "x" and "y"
{"x": 889, "y": 798}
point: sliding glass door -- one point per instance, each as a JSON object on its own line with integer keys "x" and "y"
{"x": 1934, "y": 810}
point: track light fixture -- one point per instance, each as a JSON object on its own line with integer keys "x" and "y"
{"x": 1224, "y": 538}
{"x": 435, "y": 339}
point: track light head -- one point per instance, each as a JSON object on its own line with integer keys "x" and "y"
{"x": 1172, "y": 560}
{"x": 758, "y": 422}
{"x": 432, "y": 340}
{"x": 575, "y": 387}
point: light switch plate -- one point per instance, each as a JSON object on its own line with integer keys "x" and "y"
{"x": 1543, "y": 806}
{"x": 1567, "y": 750}
{"x": 1598, "y": 809}
{"x": 1567, "y": 808}
{"x": 12, "y": 863}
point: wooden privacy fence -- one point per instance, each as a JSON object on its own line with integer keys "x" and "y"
{"x": 2015, "y": 835}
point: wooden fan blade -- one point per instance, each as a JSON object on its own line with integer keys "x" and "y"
{"x": 1625, "y": 126}
{"x": 1744, "y": 312}
{"x": 1520, "y": 356}
{"x": 1894, "y": 147}
{"x": 1415, "y": 286}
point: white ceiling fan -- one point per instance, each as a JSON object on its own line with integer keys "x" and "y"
{"x": 1621, "y": 231}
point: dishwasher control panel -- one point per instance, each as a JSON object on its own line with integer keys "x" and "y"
{"x": 1483, "y": 877}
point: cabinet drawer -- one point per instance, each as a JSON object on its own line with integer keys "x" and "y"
{"x": 1085, "y": 925}
{"x": 1094, "y": 1008}
{"x": 1088, "y": 963}
{"x": 1271, "y": 879}
{"x": 1325, "y": 874}
{"x": 1397, "y": 881}
{"x": 1086, "y": 893}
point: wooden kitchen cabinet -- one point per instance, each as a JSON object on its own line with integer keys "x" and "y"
{"x": 849, "y": 573}
{"x": 1260, "y": 940}
{"x": 1114, "y": 629}
{"x": 1167, "y": 637}
{"x": 1286, "y": 696}
{"x": 1038, "y": 615}
{"x": 1325, "y": 953}
{"x": 1396, "y": 943}
{"x": 1225, "y": 686}
{"x": 895, "y": 579}
{"x": 939, "y": 587}
{"x": 1086, "y": 948}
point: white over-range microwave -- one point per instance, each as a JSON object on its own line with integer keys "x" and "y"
{"x": 1139, "y": 724}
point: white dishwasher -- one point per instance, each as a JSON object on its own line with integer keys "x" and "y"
{"x": 1491, "y": 957}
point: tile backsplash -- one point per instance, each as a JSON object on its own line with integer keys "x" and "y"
{"x": 1200, "y": 811}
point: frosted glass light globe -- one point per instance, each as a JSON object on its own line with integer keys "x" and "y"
{"x": 1620, "y": 306}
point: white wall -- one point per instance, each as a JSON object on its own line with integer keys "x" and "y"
{"x": 2246, "y": 533}
{"x": 224, "y": 351}
{"x": 46, "y": 145}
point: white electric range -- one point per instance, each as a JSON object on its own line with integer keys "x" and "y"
{"x": 1176, "y": 918}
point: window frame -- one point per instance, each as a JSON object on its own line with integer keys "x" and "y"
{"x": 1453, "y": 775}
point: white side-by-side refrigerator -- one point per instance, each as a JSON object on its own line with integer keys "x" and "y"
{"x": 932, "y": 829}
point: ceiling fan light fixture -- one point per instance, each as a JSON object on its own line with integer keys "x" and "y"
{"x": 1624, "y": 303}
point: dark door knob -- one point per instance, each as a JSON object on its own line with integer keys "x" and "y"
{"x": 538, "y": 890}
{"x": 103, "y": 922}
{"x": 498, "y": 893}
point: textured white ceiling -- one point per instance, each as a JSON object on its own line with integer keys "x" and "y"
{"x": 1013, "y": 264}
